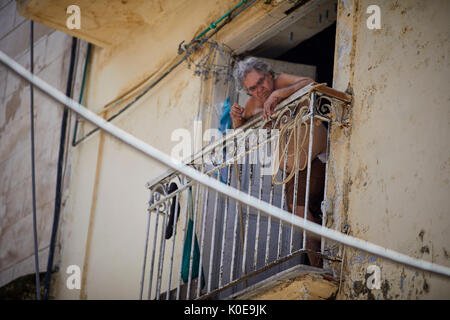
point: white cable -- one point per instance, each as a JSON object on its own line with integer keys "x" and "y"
{"x": 218, "y": 186}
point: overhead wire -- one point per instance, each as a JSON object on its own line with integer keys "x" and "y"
{"x": 83, "y": 84}
{"x": 187, "y": 49}
{"x": 59, "y": 174}
{"x": 228, "y": 191}
{"x": 33, "y": 169}
{"x": 212, "y": 183}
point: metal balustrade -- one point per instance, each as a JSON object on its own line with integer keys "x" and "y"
{"x": 234, "y": 245}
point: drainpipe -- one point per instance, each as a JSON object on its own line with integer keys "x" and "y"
{"x": 59, "y": 177}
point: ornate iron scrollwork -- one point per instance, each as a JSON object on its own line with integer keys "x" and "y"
{"x": 333, "y": 109}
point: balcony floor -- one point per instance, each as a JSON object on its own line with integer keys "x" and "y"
{"x": 298, "y": 283}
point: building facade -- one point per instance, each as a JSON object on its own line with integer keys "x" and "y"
{"x": 388, "y": 170}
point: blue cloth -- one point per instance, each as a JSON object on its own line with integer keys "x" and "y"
{"x": 187, "y": 249}
{"x": 225, "y": 119}
{"x": 224, "y": 125}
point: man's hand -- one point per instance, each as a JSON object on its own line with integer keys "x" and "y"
{"x": 287, "y": 84}
{"x": 270, "y": 104}
{"x": 237, "y": 115}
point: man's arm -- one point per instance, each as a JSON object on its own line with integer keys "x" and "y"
{"x": 240, "y": 115}
{"x": 285, "y": 86}
{"x": 237, "y": 115}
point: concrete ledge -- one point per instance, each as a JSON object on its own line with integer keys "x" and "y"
{"x": 298, "y": 283}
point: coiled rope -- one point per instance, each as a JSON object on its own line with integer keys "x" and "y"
{"x": 294, "y": 125}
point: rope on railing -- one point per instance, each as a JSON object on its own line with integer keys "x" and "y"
{"x": 295, "y": 126}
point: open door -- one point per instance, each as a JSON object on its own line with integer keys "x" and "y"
{"x": 305, "y": 47}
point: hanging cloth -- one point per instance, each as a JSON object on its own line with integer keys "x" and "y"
{"x": 224, "y": 126}
{"x": 187, "y": 248}
{"x": 225, "y": 119}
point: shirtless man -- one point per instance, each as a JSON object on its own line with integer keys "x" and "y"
{"x": 266, "y": 91}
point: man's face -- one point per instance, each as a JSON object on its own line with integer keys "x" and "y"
{"x": 259, "y": 85}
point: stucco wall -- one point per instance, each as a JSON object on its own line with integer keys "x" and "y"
{"x": 105, "y": 219}
{"x": 395, "y": 164}
{"x": 387, "y": 176}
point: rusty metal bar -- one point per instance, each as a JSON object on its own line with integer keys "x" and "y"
{"x": 147, "y": 234}
{"x": 308, "y": 168}
{"x": 162, "y": 254}
{"x": 174, "y": 235}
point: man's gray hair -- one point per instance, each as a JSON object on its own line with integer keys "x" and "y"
{"x": 244, "y": 67}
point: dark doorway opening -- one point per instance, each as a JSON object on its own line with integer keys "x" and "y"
{"x": 318, "y": 51}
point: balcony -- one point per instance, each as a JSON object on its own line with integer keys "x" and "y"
{"x": 202, "y": 245}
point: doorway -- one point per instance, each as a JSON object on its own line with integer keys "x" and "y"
{"x": 304, "y": 47}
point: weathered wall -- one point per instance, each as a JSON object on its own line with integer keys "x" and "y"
{"x": 393, "y": 74}
{"x": 51, "y": 63}
{"x": 391, "y": 174}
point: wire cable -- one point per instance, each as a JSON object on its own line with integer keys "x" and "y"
{"x": 83, "y": 83}
{"x": 33, "y": 170}
{"x": 187, "y": 50}
{"x": 212, "y": 183}
{"x": 59, "y": 177}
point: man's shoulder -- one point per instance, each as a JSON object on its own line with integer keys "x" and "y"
{"x": 281, "y": 80}
{"x": 286, "y": 79}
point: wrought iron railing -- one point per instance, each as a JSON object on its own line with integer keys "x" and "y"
{"x": 200, "y": 244}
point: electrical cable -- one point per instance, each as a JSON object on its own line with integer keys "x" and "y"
{"x": 33, "y": 169}
{"x": 59, "y": 177}
{"x": 224, "y": 189}
{"x": 134, "y": 100}
{"x": 83, "y": 83}
{"x": 196, "y": 44}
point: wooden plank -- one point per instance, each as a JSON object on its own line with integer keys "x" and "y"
{"x": 334, "y": 93}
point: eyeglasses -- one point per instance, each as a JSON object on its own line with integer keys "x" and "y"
{"x": 252, "y": 89}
